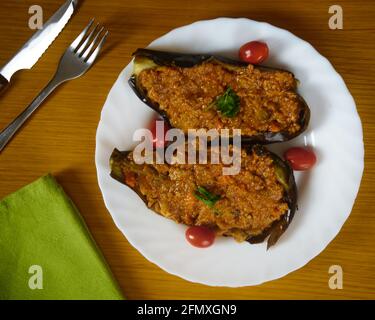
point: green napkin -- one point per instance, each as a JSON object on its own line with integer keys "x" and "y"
{"x": 46, "y": 250}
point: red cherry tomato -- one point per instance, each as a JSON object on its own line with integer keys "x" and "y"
{"x": 300, "y": 158}
{"x": 201, "y": 237}
{"x": 253, "y": 52}
{"x": 159, "y": 129}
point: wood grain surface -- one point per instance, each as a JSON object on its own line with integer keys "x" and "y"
{"x": 60, "y": 137}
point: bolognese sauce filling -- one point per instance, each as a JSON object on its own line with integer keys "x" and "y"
{"x": 267, "y": 99}
{"x": 240, "y": 206}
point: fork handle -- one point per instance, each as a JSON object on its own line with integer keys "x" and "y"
{"x": 13, "y": 127}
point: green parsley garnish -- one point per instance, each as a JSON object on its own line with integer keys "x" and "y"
{"x": 207, "y": 197}
{"x": 228, "y": 104}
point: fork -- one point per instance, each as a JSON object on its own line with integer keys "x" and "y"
{"x": 76, "y": 60}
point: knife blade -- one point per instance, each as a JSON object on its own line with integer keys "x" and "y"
{"x": 34, "y": 48}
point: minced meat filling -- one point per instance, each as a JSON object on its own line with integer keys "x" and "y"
{"x": 249, "y": 202}
{"x": 268, "y": 101}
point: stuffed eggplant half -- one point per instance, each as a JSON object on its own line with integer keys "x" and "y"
{"x": 210, "y": 92}
{"x": 259, "y": 202}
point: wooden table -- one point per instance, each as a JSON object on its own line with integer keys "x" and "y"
{"x": 60, "y": 138}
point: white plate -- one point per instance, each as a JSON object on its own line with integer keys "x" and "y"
{"x": 326, "y": 193}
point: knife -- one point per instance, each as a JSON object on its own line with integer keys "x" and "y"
{"x": 34, "y": 48}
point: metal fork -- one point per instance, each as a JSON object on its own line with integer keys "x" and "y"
{"x": 76, "y": 60}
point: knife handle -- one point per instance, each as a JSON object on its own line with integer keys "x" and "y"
{"x": 3, "y": 84}
{"x": 12, "y": 128}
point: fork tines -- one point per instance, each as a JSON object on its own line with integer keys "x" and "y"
{"x": 88, "y": 44}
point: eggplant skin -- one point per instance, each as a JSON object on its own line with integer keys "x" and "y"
{"x": 115, "y": 164}
{"x": 275, "y": 231}
{"x": 161, "y": 58}
{"x": 277, "y": 228}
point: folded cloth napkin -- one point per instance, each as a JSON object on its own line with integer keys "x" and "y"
{"x": 46, "y": 250}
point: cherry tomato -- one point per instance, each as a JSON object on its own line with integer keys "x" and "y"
{"x": 159, "y": 129}
{"x": 201, "y": 237}
{"x": 253, "y": 52}
{"x": 300, "y": 158}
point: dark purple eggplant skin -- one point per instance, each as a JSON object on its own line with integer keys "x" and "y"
{"x": 276, "y": 229}
{"x": 184, "y": 60}
{"x": 116, "y": 171}
{"x": 115, "y": 164}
